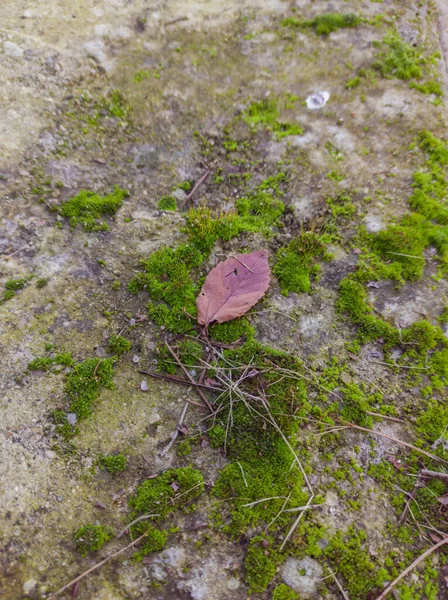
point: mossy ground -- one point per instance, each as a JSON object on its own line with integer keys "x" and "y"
{"x": 268, "y": 157}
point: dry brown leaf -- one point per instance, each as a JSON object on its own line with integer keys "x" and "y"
{"x": 233, "y": 287}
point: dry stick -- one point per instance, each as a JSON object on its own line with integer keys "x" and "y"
{"x": 426, "y": 473}
{"x": 411, "y": 567}
{"x": 180, "y": 380}
{"x": 97, "y": 566}
{"x": 341, "y": 589}
{"x": 189, "y": 377}
{"x": 176, "y": 432}
{"x": 392, "y": 439}
{"x": 129, "y": 525}
{"x": 410, "y": 498}
{"x": 379, "y": 415}
{"x": 196, "y": 185}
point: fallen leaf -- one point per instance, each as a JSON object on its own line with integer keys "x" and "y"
{"x": 182, "y": 429}
{"x": 443, "y": 500}
{"x": 175, "y": 486}
{"x": 211, "y": 382}
{"x": 233, "y": 286}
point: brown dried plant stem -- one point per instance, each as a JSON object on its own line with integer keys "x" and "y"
{"x": 189, "y": 377}
{"x": 412, "y": 566}
{"x": 95, "y": 567}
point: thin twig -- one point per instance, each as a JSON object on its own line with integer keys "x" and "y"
{"x": 412, "y": 566}
{"x": 176, "y": 432}
{"x": 242, "y": 472}
{"x": 180, "y": 380}
{"x": 409, "y": 500}
{"x": 341, "y": 589}
{"x": 387, "y": 417}
{"x": 396, "y": 440}
{"x": 189, "y": 377}
{"x": 436, "y": 474}
{"x": 262, "y": 500}
{"x": 395, "y": 366}
{"x": 279, "y": 512}
{"x": 97, "y": 566}
{"x": 197, "y": 184}
{"x": 142, "y": 518}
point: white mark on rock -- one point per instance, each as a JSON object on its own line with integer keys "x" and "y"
{"x": 317, "y": 100}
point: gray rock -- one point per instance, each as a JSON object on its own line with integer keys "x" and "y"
{"x": 72, "y": 418}
{"x": 12, "y": 49}
{"x": 303, "y": 576}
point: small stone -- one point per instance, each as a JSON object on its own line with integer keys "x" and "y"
{"x": 317, "y": 100}
{"x": 144, "y": 386}
{"x": 307, "y": 584}
{"x": 135, "y": 359}
{"x": 59, "y": 498}
{"x": 29, "y": 586}
{"x": 13, "y": 49}
{"x": 233, "y": 583}
{"x": 72, "y": 418}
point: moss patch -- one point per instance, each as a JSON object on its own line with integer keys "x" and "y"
{"x": 296, "y": 265}
{"x": 167, "y": 203}
{"x": 91, "y": 538}
{"x": 167, "y": 492}
{"x": 324, "y": 24}
{"x": 86, "y": 208}
{"x": 119, "y": 345}
{"x": 114, "y": 463}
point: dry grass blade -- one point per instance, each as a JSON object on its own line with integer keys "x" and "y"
{"x": 96, "y": 567}
{"x": 412, "y": 566}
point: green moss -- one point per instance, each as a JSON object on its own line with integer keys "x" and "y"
{"x": 217, "y": 436}
{"x": 266, "y": 112}
{"x": 65, "y": 359}
{"x": 62, "y": 425}
{"x": 340, "y": 205}
{"x": 359, "y": 573}
{"x": 7, "y": 295}
{"x": 282, "y": 130}
{"x": 184, "y": 448}
{"x": 154, "y": 541}
{"x": 118, "y": 345}
{"x": 167, "y": 203}
{"x": 261, "y": 564}
{"x": 41, "y": 283}
{"x": 86, "y": 208}
{"x": 432, "y": 422}
{"x": 167, "y": 278}
{"x": 353, "y": 301}
{"x": 353, "y": 83}
{"x": 261, "y": 461}
{"x": 232, "y": 331}
{"x": 83, "y": 384}
{"x": 399, "y": 60}
{"x": 284, "y": 592}
{"x": 430, "y": 87}
{"x": 41, "y": 364}
{"x": 16, "y": 284}
{"x": 91, "y": 538}
{"x": 114, "y": 463}
{"x": 116, "y": 285}
{"x": 188, "y": 351}
{"x": 324, "y": 24}
{"x": 167, "y": 492}
{"x": 296, "y": 265}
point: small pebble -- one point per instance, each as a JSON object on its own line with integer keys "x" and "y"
{"x": 144, "y": 386}
{"x": 135, "y": 359}
{"x": 72, "y": 418}
{"x": 318, "y": 100}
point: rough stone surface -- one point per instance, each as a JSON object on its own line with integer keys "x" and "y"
{"x": 186, "y": 69}
{"x": 303, "y": 575}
